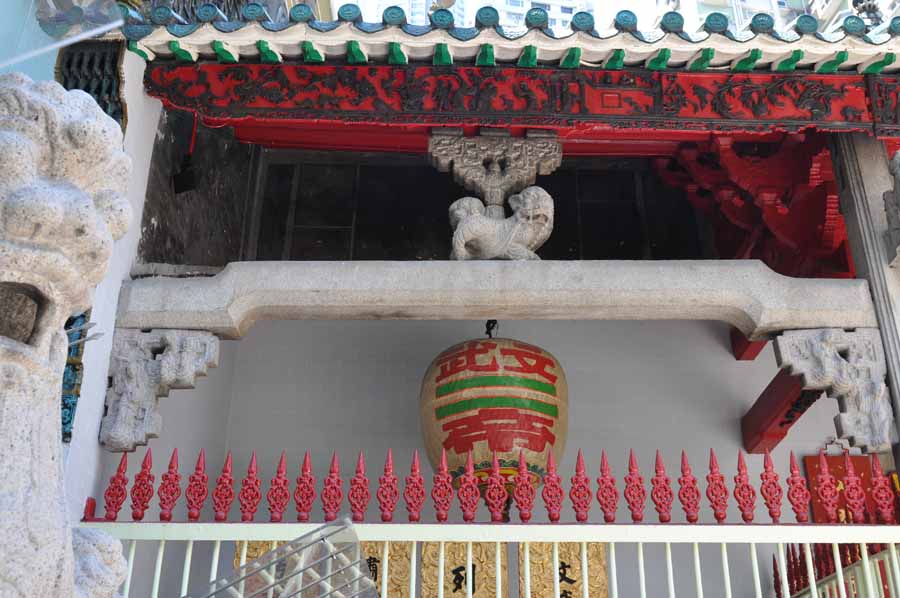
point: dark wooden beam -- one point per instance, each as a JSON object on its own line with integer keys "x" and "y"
{"x": 777, "y": 409}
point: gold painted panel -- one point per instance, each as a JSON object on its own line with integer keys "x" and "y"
{"x": 483, "y": 564}
{"x": 569, "y": 572}
{"x": 398, "y": 566}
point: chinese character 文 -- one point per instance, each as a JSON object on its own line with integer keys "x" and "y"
{"x": 563, "y": 573}
{"x": 529, "y": 361}
{"x": 466, "y": 360}
{"x": 503, "y": 429}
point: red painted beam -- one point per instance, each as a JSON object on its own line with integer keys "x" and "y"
{"x": 777, "y": 409}
{"x": 743, "y": 348}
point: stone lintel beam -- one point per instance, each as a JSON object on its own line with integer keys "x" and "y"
{"x": 744, "y": 293}
{"x": 145, "y": 366}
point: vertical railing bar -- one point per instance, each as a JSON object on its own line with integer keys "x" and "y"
{"x": 670, "y": 574}
{"x": 754, "y": 562}
{"x": 642, "y": 581}
{"x": 585, "y": 585}
{"x": 186, "y": 571}
{"x": 810, "y": 571}
{"x": 470, "y": 585}
{"x": 498, "y": 580}
{"x": 698, "y": 574}
{"x": 359, "y": 559}
{"x": 385, "y": 568}
{"x": 412, "y": 570}
{"x": 214, "y": 564}
{"x": 555, "y": 571}
{"x": 867, "y": 570}
{"x": 726, "y": 572}
{"x": 889, "y": 573}
{"x": 782, "y": 566}
{"x": 271, "y": 592}
{"x": 440, "y": 571}
{"x": 157, "y": 569}
{"x": 126, "y": 589}
{"x": 526, "y": 562}
{"x": 243, "y": 561}
{"x": 613, "y": 576}
{"x": 895, "y": 567}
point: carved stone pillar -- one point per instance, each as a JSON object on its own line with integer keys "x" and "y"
{"x": 849, "y": 367}
{"x": 62, "y": 180}
{"x": 145, "y": 366}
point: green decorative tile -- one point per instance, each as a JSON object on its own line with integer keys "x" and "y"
{"x": 485, "y": 56}
{"x": 528, "y": 58}
{"x": 266, "y": 53}
{"x": 660, "y": 61}
{"x": 396, "y": 55}
{"x": 442, "y": 56}
{"x": 310, "y": 53}
{"x": 701, "y": 63}
{"x": 355, "y": 55}
{"x": 832, "y": 66}
{"x": 748, "y": 62}
{"x": 572, "y": 59}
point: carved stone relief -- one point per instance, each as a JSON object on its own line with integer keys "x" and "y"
{"x": 62, "y": 180}
{"x": 849, "y": 367}
{"x": 495, "y": 166}
{"x": 145, "y": 366}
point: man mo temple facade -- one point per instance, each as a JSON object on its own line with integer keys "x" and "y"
{"x": 244, "y": 281}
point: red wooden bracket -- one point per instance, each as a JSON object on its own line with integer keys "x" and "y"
{"x": 777, "y": 409}
{"x": 743, "y": 348}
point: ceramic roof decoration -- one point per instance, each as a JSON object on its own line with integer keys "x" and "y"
{"x": 622, "y": 43}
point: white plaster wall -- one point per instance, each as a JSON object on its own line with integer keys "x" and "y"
{"x": 83, "y": 454}
{"x": 354, "y": 385}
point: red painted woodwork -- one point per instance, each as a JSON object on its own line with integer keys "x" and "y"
{"x": 635, "y": 493}
{"x": 305, "y": 490}
{"x": 223, "y": 495}
{"x": 776, "y": 577}
{"x": 196, "y": 491}
{"x": 743, "y": 348}
{"x": 716, "y": 490}
{"x": 826, "y": 489}
{"x": 442, "y": 490}
{"x": 580, "y": 490}
{"x": 333, "y": 490}
{"x": 798, "y": 492}
{"x": 169, "y": 489}
{"x": 777, "y": 409}
{"x": 662, "y": 494}
{"x": 882, "y": 494}
{"x": 250, "y": 494}
{"x": 142, "y": 489}
{"x": 771, "y": 488}
{"x": 115, "y": 494}
{"x": 388, "y": 492}
{"x": 523, "y": 490}
{"x": 688, "y": 491}
{"x": 90, "y": 510}
{"x": 854, "y": 494}
{"x": 359, "y": 494}
{"x": 279, "y": 494}
{"x": 744, "y": 494}
{"x": 552, "y": 493}
{"x": 468, "y": 493}
{"x": 495, "y": 494}
{"x": 254, "y": 98}
{"x": 414, "y": 491}
{"x": 607, "y": 493}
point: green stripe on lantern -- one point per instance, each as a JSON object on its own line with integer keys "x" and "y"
{"x": 494, "y": 381}
{"x": 518, "y": 402}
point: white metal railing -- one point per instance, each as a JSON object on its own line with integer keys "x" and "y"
{"x": 869, "y": 576}
{"x": 736, "y": 547}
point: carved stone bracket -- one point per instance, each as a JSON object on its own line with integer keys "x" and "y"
{"x": 849, "y": 367}
{"x": 892, "y": 211}
{"x": 144, "y": 367}
{"x": 494, "y": 166}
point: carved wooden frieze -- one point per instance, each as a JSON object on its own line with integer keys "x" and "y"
{"x": 145, "y": 366}
{"x": 454, "y": 579}
{"x": 849, "y": 367}
{"x": 398, "y": 566}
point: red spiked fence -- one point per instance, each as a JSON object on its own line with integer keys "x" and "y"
{"x": 499, "y": 494}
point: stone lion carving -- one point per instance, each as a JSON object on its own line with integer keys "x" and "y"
{"x": 478, "y": 236}
{"x": 63, "y": 175}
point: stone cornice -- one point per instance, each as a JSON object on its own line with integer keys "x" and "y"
{"x": 743, "y": 293}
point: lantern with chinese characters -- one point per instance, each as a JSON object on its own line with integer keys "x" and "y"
{"x": 494, "y": 396}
